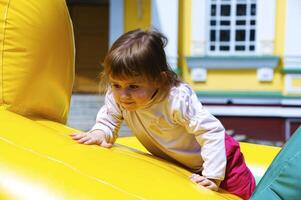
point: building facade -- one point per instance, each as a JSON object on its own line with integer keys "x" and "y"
{"x": 242, "y": 57}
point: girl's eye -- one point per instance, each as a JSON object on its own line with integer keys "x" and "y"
{"x": 133, "y": 86}
{"x": 116, "y": 86}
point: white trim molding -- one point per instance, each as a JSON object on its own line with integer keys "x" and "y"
{"x": 265, "y": 74}
{"x": 198, "y": 74}
{"x": 266, "y": 14}
{"x": 232, "y": 62}
{"x": 292, "y": 50}
{"x": 290, "y": 87}
{"x": 292, "y": 61}
{"x": 165, "y": 19}
{"x": 199, "y": 26}
{"x": 293, "y": 29}
{"x": 292, "y": 64}
{"x": 255, "y": 111}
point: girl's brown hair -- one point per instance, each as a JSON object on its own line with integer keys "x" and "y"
{"x": 140, "y": 53}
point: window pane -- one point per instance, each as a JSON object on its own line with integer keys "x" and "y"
{"x": 252, "y": 35}
{"x": 240, "y": 22}
{"x": 213, "y": 10}
{"x": 212, "y": 35}
{"x": 224, "y": 48}
{"x": 224, "y": 35}
{"x": 239, "y": 48}
{"x": 225, "y": 23}
{"x": 232, "y": 31}
{"x": 253, "y": 9}
{"x": 241, "y": 10}
{"x": 240, "y": 35}
{"x": 225, "y": 10}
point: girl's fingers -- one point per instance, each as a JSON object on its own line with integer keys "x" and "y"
{"x": 74, "y": 134}
{"x": 204, "y": 182}
{"x": 212, "y": 187}
{"x": 105, "y": 144}
{"x": 197, "y": 178}
{"x": 90, "y": 141}
{"x": 208, "y": 184}
{"x": 193, "y": 176}
{"x": 83, "y": 140}
{"x": 77, "y": 136}
{"x": 88, "y": 138}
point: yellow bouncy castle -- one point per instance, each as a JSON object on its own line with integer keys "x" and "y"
{"x": 38, "y": 160}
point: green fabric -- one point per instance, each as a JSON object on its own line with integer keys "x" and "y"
{"x": 283, "y": 178}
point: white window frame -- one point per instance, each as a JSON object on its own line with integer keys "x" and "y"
{"x": 290, "y": 89}
{"x": 233, "y": 27}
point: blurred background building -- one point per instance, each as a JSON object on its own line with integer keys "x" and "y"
{"x": 242, "y": 57}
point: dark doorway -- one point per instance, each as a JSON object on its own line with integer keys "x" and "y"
{"x": 90, "y": 20}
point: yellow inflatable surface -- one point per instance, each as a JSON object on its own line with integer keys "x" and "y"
{"x": 38, "y": 160}
{"x": 37, "y": 58}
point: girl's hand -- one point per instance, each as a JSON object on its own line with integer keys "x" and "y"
{"x": 205, "y": 182}
{"x": 94, "y": 137}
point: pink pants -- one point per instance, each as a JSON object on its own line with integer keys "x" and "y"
{"x": 238, "y": 179}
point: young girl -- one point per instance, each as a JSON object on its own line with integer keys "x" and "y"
{"x": 165, "y": 115}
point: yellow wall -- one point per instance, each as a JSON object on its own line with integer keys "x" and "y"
{"x": 280, "y": 38}
{"x": 184, "y": 35}
{"x": 236, "y": 80}
{"x": 230, "y": 80}
{"x": 137, "y": 14}
{"x": 280, "y": 27}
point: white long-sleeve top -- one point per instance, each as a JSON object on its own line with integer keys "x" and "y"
{"x": 178, "y": 128}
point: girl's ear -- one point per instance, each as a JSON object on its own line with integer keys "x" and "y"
{"x": 164, "y": 79}
{"x": 163, "y": 75}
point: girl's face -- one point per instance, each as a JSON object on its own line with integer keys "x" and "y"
{"x": 132, "y": 93}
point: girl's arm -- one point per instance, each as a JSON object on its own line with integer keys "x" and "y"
{"x": 109, "y": 119}
{"x": 208, "y": 131}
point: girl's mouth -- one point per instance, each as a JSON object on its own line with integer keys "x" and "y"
{"x": 127, "y": 103}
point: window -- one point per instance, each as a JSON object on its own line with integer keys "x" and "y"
{"x": 232, "y": 26}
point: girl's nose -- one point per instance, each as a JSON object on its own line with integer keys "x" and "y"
{"x": 124, "y": 93}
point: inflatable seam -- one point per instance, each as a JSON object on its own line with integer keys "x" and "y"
{"x": 2, "y": 52}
